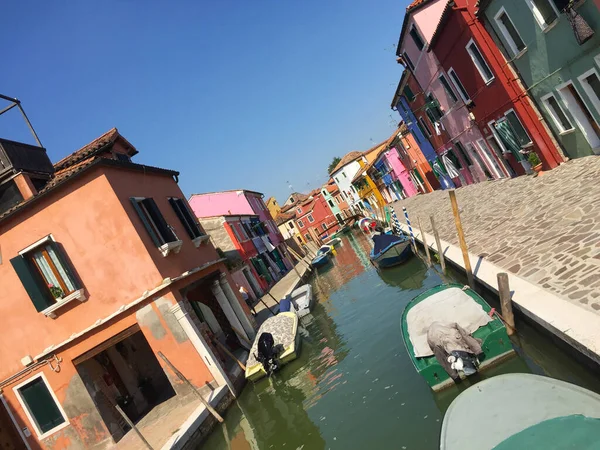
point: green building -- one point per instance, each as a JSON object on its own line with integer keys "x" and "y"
{"x": 554, "y": 45}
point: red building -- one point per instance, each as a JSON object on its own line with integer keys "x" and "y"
{"x": 314, "y": 218}
{"x": 487, "y": 84}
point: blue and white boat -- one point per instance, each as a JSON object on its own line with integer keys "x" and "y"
{"x": 320, "y": 260}
{"x": 390, "y": 250}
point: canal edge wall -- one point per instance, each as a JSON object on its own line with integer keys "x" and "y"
{"x": 577, "y": 327}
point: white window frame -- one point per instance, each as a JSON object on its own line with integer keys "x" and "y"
{"x": 310, "y": 218}
{"x": 506, "y": 35}
{"x": 588, "y": 89}
{"x": 497, "y": 137}
{"x": 324, "y": 225}
{"x": 32, "y": 421}
{"x": 511, "y": 110}
{"x": 597, "y": 59}
{"x": 299, "y": 210}
{"x": 451, "y": 70}
{"x": 300, "y": 223}
{"x": 488, "y": 158}
{"x": 408, "y": 61}
{"x": 552, "y": 114}
{"x": 445, "y": 77}
{"x": 476, "y": 63}
{"x": 538, "y": 15}
{"x": 424, "y": 125}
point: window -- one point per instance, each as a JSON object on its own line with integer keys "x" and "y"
{"x": 518, "y": 129}
{"x": 330, "y": 203}
{"x": 324, "y": 227}
{"x": 591, "y": 85}
{"x": 424, "y": 128}
{"x": 408, "y": 62}
{"x": 452, "y": 157}
{"x": 448, "y": 88}
{"x": 461, "y": 151}
{"x": 336, "y": 180}
{"x": 154, "y": 222}
{"x": 481, "y": 64}
{"x": 299, "y": 210}
{"x": 459, "y": 86}
{"x": 300, "y": 223}
{"x": 543, "y": 11}
{"x": 433, "y": 108}
{"x": 408, "y": 93}
{"x": 291, "y": 224}
{"x": 557, "y": 113}
{"x": 308, "y": 237}
{"x": 41, "y": 406}
{"x": 310, "y": 218}
{"x": 580, "y": 112}
{"x": 236, "y": 233}
{"x": 414, "y": 33}
{"x": 509, "y": 32}
{"x": 344, "y": 173}
{"x": 46, "y": 275}
{"x": 186, "y": 217}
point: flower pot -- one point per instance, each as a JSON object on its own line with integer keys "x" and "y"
{"x": 537, "y": 168}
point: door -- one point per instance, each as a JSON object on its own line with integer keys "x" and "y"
{"x": 582, "y": 115}
{"x": 489, "y": 160}
{"x": 10, "y": 439}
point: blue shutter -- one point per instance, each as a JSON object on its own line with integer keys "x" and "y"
{"x": 40, "y": 297}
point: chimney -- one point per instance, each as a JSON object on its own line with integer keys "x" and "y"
{"x": 25, "y": 186}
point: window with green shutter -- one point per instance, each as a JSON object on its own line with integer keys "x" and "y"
{"x": 408, "y": 93}
{"x": 186, "y": 217}
{"x": 41, "y": 406}
{"x": 154, "y": 222}
{"x": 46, "y": 273}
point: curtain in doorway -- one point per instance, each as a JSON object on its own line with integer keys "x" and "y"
{"x": 508, "y": 138}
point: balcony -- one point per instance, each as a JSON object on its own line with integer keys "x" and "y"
{"x": 16, "y": 157}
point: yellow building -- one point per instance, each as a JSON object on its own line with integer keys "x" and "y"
{"x": 365, "y": 187}
{"x": 273, "y": 207}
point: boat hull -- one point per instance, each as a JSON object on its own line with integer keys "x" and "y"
{"x": 395, "y": 255}
{"x": 496, "y": 344}
{"x": 320, "y": 261}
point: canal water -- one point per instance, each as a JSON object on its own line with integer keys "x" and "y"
{"x": 353, "y": 385}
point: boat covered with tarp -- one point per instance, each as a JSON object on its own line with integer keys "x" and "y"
{"x": 320, "y": 260}
{"x": 522, "y": 411}
{"x": 450, "y": 332}
{"x": 277, "y": 343}
{"x": 390, "y": 250}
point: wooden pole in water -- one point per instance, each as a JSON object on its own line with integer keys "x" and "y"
{"x": 132, "y": 425}
{"x": 424, "y": 241}
{"x": 506, "y": 303}
{"x": 461, "y": 238}
{"x": 186, "y": 381}
{"x": 231, "y": 355}
{"x": 438, "y": 244}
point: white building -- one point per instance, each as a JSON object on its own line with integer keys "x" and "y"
{"x": 343, "y": 174}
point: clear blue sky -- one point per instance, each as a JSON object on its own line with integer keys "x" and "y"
{"x": 233, "y": 94}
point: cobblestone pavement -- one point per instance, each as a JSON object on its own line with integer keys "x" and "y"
{"x": 545, "y": 229}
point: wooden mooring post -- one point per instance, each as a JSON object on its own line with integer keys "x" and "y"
{"x": 424, "y": 239}
{"x": 461, "y": 238}
{"x": 133, "y": 427}
{"x": 506, "y": 303}
{"x": 182, "y": 377}
{"x": 438, "y": 244}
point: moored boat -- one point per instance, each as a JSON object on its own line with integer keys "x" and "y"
{"x": 522, "y": 411}
{"x": 325, "y": 250}
{"x": 452, "y": 313}
{"x": 302, "y": 300}
{"x": 334, "y": 242}
{"x": 390, "y": 250}
{"x": 277, "y": 343}
{"x": 320, "y": 260}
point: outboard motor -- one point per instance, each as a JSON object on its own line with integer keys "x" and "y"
{"x": 267, "y": 352}
{"x": 463, "y": 361}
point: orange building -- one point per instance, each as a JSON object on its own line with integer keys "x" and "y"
{"x": 102, "y": 267}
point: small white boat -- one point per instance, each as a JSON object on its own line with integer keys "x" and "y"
{"x": 334, "y": 242}
{"x": 324, "y": 250}
{"x": 302, "y": 300}
{"x": 522, "y": 411}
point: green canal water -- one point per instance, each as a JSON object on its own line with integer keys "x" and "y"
{"x": 353, "y": 385}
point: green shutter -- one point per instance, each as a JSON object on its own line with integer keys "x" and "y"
{"x": 408, "y": 93}
{"x": 144, "y": 220}
{"x": 66, "y": 265}
{"x": 39, "y": 296}
{"x": 41, "y": 405}
{"x": 185, "y": 217}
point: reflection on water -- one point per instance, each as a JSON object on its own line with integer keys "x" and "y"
{"x": 353, "y": 386}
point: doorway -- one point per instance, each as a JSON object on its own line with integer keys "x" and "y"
{"x": 123, "y": 371}
{"x": 581, "y": 114}
{"x": 490, "y": 160}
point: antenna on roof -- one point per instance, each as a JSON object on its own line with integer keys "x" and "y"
{"x": 16, "y": 102}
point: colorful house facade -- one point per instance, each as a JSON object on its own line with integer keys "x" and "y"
{"x": 498, "y": 104}
{"x": 314, "y": 218}
{"x": 446, "y": 110}
{"x": 273, "y": 207}
{"x": 260, "y": 228}
{"x": 393, "y": 179}
{"x": 559, "y": 66}
{"x": 343, "y": 174}
{"x": 106, "y": 269}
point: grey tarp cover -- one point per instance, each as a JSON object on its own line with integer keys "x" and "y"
{"x": 447, "y": 306}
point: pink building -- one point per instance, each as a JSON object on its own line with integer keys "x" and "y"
{"x": 445, "y": 99}
{"x": 260, "y": 226}
{"x": 399, "y": 172}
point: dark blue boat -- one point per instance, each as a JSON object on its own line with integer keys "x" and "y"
{"x": 320, "y": 260}
{"x": 390, "y": 250}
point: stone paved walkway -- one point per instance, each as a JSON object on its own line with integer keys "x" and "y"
{"x": 545, "y": 229}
